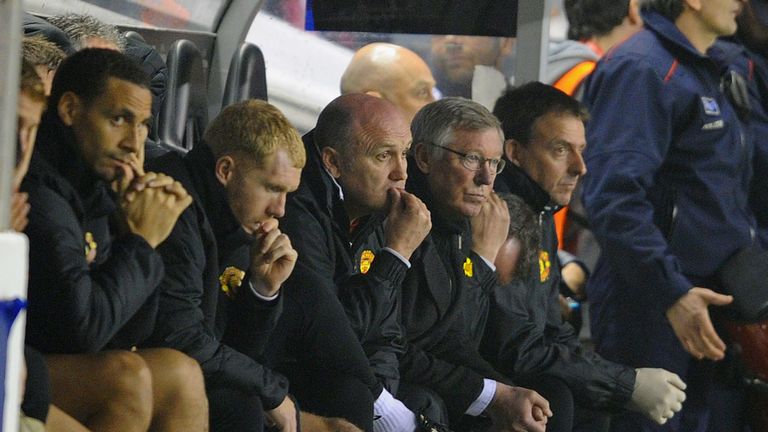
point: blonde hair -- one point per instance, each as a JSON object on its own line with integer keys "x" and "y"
{"x": 256, "y": 129}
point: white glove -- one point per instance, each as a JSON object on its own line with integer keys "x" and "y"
{"x": 658, "y": 394}
{"x": 392, "y": 415}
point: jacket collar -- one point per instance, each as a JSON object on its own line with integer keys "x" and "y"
{"x": 228, "y": 231}
{"x": 324, "y": 189}
{"x": 668, "y": 32}
{"x": 514, "y": 180}
{"x": 55, "y": 146}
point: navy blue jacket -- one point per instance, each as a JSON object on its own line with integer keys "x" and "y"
{"x": 669, "y": 170}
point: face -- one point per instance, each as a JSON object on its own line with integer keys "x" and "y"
{"x": 719, "y": 16}
{"x": 112, "y": 128}
{"x": 456, "y": 56}
{"x": 257, "y": 193}
{"x": 553, "y": 158}
{"x": 413, "y": 87}
{"x": 373, "y": 164}
{"x": 30, "y": 111}
{"x": 462, "y": 192}
{"x": 46, "y": 76}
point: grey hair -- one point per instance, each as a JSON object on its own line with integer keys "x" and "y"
{"x": 437, "y": 122}
{"x": 671, "y": 9}
{"x": 81, "y": 27}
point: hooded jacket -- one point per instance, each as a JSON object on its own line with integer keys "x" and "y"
{"x": 527, "y": 337}
{"x": 76, "y": 306}
{"x": 223, "y": 331}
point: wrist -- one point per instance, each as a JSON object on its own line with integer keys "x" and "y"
{"x": 404, "y": 252}
{"x": 262, "y": 289}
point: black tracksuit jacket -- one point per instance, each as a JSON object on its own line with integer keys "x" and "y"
{"x": 445, "y": 300}
{"x": 76, "y": 307}
{"x": 527, "y": 337}
{"x": 330, "y": 258}
{"x": 224, "y": 333}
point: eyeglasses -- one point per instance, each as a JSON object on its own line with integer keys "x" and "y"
{"x": 475, "y": 162}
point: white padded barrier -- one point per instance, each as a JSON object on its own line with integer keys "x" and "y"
{"x": 14, "y": 252}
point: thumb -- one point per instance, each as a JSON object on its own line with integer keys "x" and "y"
{"x": 675, "y": 380}
{"x": 393, "y": 200}
{"x": 716, "y": 299}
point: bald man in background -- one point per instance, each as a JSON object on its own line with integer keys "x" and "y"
{"x": 391, "y": 72}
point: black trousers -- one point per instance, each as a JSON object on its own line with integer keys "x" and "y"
{"x": 568, "y": 416}
{"x": 37, "y": 393}
{"x": 234, "y": 411}
{"x": 314, "y": 346}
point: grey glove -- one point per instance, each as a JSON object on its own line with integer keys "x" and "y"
{"x": 658, "y": 394}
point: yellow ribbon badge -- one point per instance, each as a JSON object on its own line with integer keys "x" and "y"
{"x": 366, "y": 259}
{"x": 231, "y": 280}
{"x": 90, "y": 247}
{"x": 468, "y": 268}
{"x": 544, "y": 265}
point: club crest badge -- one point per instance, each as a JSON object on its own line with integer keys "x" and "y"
{"x": 231, "y": 280}
{"x": 544, "y": 266}
{"x": 90, "y": 247}
{"x": 366, "y": 259}
{"x": 710, "y": 106}
{"x": 468, "y": 268}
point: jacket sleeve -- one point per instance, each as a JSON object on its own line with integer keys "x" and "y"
{"x": 74, "y": 307}
{"x": 623, "y": 159}
{"x": 369, "y": 300}
{"x": 526, "y": 350}
{"x": 182, "y": 324}
{"x": 457, "y": 384}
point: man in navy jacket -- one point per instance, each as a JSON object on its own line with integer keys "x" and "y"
{"x": 667, "y": 195}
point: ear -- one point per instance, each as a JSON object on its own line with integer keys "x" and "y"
{"x": 506, "y": 45}
{"x": 374, "y": 93}
{"x": 421, "y": 156}
{"x": 693, "y": 4}
{"x": 331, "y": 161}
{"x": 225, "y": 168}
{"x": 70, "y": 106}
{"x": 634, "y": 13}
{"x": 511, "y": 150}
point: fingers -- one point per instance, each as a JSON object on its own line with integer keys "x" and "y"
{"x": 393, "y": 200}
{"x": 543, "y": 404}
{"x": 714, "y": 298}
{"x": 19, "y": 211}
{"x": 676, "y": 381}
{"x": 709, "y": 342}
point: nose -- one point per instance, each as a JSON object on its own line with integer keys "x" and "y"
{"x": 485, "y": 175}
{"x": 276, "y": 207}
{"x": 577, "y": 166}
{"x": 399, "y": 169}
{"x": 134, "y": 138}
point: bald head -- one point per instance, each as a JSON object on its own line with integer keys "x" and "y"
{"x": 363, "y": 142}
{"x": 392, "y": 72}
{"x": 341, "y": 122}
